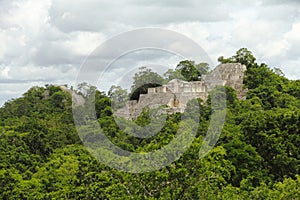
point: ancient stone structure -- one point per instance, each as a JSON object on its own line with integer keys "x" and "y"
{"x": 77, "y": 99}
{"x": 175, "y": 94}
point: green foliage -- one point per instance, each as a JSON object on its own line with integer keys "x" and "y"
{"x": 274, "y": 134}
{"x": 143, "y": 80}
{"x": 118, "y": 95}
{"x": 173, "y": 74}
{"x": 243, "y": 56}
{"x": 190, "y": 70}
{"x": 256, "y": 157}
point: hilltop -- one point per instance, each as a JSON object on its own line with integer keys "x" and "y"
{"x": 177, "y": 92}
{"x": 256, "y": 157}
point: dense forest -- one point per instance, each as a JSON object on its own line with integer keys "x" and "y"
{"x": 256, "y": 157}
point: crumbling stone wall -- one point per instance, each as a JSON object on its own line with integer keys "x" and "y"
{"x": 176, "y": 93}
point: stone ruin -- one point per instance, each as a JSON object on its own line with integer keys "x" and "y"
{"x": 175, "y": 94}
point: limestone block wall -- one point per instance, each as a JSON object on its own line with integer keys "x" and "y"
{"x": 153, "y": 100}
{"x": 176, "y": 93}
{"x": 233, "y": 75}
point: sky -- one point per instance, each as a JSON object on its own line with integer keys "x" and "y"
{"x": 46, "y": 41}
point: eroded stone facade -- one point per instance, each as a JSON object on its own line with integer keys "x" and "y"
{"x": 176, "y": 93}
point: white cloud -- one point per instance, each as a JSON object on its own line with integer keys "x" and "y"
{"x": 293, "y": 35}
{"x": 83, "y": 43}
{"x": 29, "y": 15}
{"x": 253, "y": 32}
{"x": 293, "y": 38}
{"x": 46, "y": 41}
{"x": 4, "y": 72}
{"x": 292, "y": 69}
{"x": 12, "y": 43}
{"x": 273, "y": 49}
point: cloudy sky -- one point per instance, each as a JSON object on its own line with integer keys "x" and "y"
{"x": 46, "y": 41}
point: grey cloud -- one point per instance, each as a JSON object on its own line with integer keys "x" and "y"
{"x": 47, "y": 51}
{"x": 280, "y": 2}
{"x": 54, "y": 54}
{"x": 5, "y": 5}
{"x": 288, "y": 12}
{"x": 15, "y": 81}
{"x": 92, "y": 16}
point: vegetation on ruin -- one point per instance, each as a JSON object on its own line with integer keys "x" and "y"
{"x": 256, "y": 157}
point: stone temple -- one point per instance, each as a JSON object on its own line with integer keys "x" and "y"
{"x": 175, "y": 94}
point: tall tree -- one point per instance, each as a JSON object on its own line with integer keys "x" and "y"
{"x": 144, "y": 79}
{"x": 192, "y": 71}
{"x": 118, "y": 96}
{"x": 243, "y": 56}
